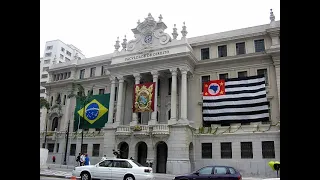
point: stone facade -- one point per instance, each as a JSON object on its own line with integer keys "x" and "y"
{"x": 171, "y": 137}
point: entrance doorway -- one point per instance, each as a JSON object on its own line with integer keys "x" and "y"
{"x": 124, "y": 150}
{"x": 142, "y": 153}
{"x": 162, "y": 154}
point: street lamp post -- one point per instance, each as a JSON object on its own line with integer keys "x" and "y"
{"x": 66, "y": 148}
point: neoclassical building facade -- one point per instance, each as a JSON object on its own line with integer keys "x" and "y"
{"x": 173, "y": 136}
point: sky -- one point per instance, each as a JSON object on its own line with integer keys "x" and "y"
{"x": 94, "y": 25}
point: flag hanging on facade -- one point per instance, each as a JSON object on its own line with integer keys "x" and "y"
{"x": 144, "y": 97}
{"x": 95, "y": 112}
{"x": 235, "y": 100}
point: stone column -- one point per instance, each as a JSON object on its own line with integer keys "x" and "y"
{"x": 184, "y": 101}
{"x": 277, "y": 69}
{"x": 173, "y": 118}
{"x": 134, "y": 121}
{"x": 111, "y": 102}
{"x": 153, "y": 120}
{"x": 119, "y": 101}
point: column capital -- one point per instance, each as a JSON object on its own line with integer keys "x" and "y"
{"x": 173, "y": 71}
{"x": 112, "y": 79}
{"x": 137, "y": 75}
{"x": 184, "y": 70}
{"x": 155, "y": 73}
{"x": 120, "y": 78}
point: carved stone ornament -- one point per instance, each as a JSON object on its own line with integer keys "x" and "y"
{"x": 148, "y": 34}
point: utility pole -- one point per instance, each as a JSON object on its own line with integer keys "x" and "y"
{"x": 66, "y": 148}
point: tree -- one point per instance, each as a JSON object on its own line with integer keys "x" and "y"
{"x": 45, "y": 104}
{"x": 84, "y": 99}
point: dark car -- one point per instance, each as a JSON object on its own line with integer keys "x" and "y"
{"x": 212, "y": 173}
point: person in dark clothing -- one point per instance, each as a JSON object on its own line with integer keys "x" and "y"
{"x": 78, "y": 159}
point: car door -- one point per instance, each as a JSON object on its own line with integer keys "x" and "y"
{"x": 203, "y": 173}
{"x": 119, "y": 169}
{"x": 103, "y": 170}
{"x": 233, "y": 175}
{"x": 220, "y": 173}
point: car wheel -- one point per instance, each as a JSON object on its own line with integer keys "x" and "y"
{"x": 85, "y": 176}
{"x": 128, "y": 177}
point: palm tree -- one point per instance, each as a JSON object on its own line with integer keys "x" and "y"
{"x": 84, "y": 99}
{"x": 45, "y": 104}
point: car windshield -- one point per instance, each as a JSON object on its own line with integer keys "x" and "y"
{"x": 138, "y": 164}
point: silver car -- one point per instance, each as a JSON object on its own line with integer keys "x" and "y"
{"x": 121, "y": 169}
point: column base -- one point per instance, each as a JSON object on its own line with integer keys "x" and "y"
{"x": 133, "y": 123}
{"x": 116, "y": 124}
{"x": 152, "y": 122}
{"x": 172, "y": 121}
{"x": 108, "y": 125}
{"x": 183, "y": 122}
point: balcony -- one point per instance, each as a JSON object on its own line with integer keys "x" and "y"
{"x": 141, "y": 130}
{"x": 160, "y": 130}
{"x": 123, "y": 131}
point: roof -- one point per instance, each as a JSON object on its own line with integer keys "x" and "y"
{"x": 232, "y": 33}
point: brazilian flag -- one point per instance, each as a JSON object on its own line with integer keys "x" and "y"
{"x": 95, "y": 112}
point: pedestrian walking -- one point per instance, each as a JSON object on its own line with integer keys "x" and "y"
{"x": 53, "y": 159}
{"x": 78, "y": 159}
{"x": 87, "y": 160}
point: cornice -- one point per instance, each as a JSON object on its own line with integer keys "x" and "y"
{"x": 228, "y": 39}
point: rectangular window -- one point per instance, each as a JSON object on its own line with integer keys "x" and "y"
{"x": 48, "y": 54}
{"x": 93, "y": 72}
{"x": 205, "y": 54}
{"x": 223, "y": 76}
{"x": 268, "y": 150}
{"x": 222, "y": 51}
{"x": 84, "y": 148}
{"x": 206, "y": 150}
{"x": 169, "y": 86}
{"x": 68, "y": 53}
{"x": 82, "y": 71}
{"x": 203, "y": 80}
{"x": 101, "y": 91}
{"x": 259, "y": 45}
{"x": 49, "y": 47}
{"x": 102, "y": 70}
{"x": 42, "y": 90}
{"x": 45, "y": 68}
{"x": 226, "y": 150}
{"x": 57, "y": 148}
{"x": 158, "y": 87}
{"x": 263, "y": 72}
{"x": 72, "y": 149}
{"x": 95, "y": 150}
{"x": 241, "y": 48}
{"x": 246, "y": 150}
{"x": 47, "y": 61}
{"x": 62, "y": 49}
{"x": 42, "y": 83}
{"x": 242, "y": 74}
{"x": 50, "y": 147}
{"x": 44, "y": 75}
{"x": 61, "y": 56}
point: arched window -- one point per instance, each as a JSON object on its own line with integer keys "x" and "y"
{"x": 64, "y": 99}
{"x": 54, "y": 124}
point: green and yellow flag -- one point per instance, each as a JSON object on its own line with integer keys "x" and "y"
{"x": 95, "y": 112}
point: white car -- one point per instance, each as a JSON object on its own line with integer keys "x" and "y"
{"x": 116, "y": 169}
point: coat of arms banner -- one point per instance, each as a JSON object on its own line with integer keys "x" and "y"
{"x": 143, "y": 97}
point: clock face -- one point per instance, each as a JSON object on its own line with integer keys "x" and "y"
{"x": 148, "y": 39}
